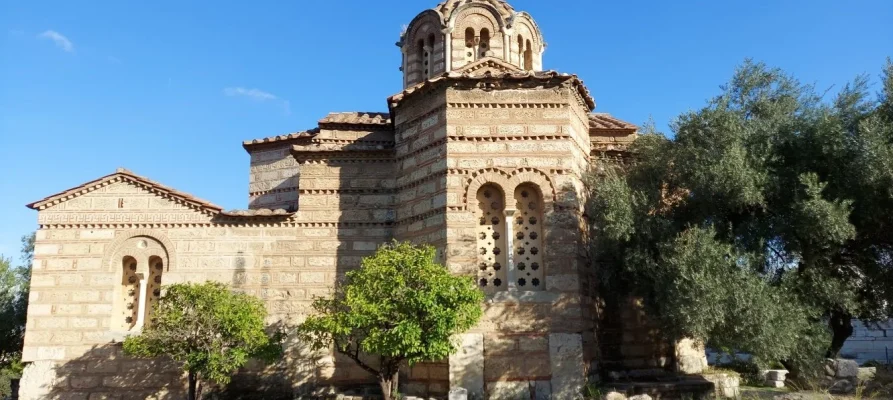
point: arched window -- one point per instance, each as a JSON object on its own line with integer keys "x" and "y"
{"x": 491, "y": 239}
{"x": 129, "y": 296}
{"x": 429, "y": 49}
{"x": 528, "y": 57}
{"x": 470, "y": 48}
{"x": 528, "y": 240}
{"x": 485, "y": 42}
{"x": 520, "y": 51}
{"x": 420, "y": 57}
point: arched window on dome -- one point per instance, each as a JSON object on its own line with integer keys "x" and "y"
{"x": 491, "y": 239}
{"x": 470, "y": 47}
{"x": 528, "y": 57}
{"x": 485, "y": 42}
{"x": 520, "y": 51}
{"x": 427, "y": 62}
{"x": 420, "y": 59}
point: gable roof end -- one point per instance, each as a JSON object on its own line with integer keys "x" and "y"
{"x": 123, "y": 175}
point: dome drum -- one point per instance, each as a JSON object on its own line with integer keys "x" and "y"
{"x": 459, "y": 32}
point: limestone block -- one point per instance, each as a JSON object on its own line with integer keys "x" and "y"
{"x": 614, "y": 396}
{"x": 467, "y": 365}
{"x": 866, "y": 374}
{"x": 846, "y": 368}
{"x": 691, "y": 356}
{"x": 776, "y": 374}
{"x": 640, "y": 397}
{"x": 509, "y": 390}
{"x": 458, "y": 394}
{"x": 566, "y": 359}
{"x": 775, "y": 384}
{"x": 38, "y": 380}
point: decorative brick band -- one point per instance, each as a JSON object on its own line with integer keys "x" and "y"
{"x": 507, "y": 182}
{"x": 506, "y": 105}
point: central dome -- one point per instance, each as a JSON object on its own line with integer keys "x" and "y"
{"x": 456, "y": 33}
{"x": 447, "y": 7}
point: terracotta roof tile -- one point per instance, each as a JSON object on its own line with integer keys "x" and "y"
{"x": 508, "y": 76}
{"x": 123, "y": 175}
{"x": 273, "y": 139}
{"x": 604, "y": 121}
{"x": 357, "y": 118}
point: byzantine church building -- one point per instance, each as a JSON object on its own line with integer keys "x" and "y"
{"x": 481, "y": 154}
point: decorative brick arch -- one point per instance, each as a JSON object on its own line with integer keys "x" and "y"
{"x": 109, "y": 258}
{"x": 458, "y": 16}
{"x": 534, "y": 176}
{"x": 482, "y": 177}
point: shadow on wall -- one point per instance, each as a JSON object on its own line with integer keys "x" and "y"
{"x": 105, "y": 372}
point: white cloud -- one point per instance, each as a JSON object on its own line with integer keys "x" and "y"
{"x": 61, "y": 41}
{"x": 253, "y": 94}
{"x": 113, "y": 59}
{"x": 259, "y": 96}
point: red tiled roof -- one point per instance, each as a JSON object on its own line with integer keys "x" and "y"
{"x": 604, "y": 121}
{"x": 273, "y": 139}
{"x": 508, "y": 76}
{"x": 357, "y": 118}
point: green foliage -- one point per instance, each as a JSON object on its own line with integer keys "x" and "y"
{"x": 14, "y": 290}
{"x": 209, "y": 329}
{"x": 767, "y": 213}
{"x": 400, "y": 306}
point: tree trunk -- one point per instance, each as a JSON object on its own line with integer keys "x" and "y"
{"x": 193, "y": 378}
{"x": 386, "y": 386}
{"x": 389, "y": 384}
{"x": 841, "y": 324}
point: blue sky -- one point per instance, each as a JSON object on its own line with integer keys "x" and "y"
{"x": 170, "y": 89}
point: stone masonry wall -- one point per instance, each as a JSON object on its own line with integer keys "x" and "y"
{"x": 285, "y": 261}
{"x": 273, "y": 177}
{"x": 508, "y": 138}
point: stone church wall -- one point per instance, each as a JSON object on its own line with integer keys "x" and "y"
{"x": 531, "y": 337}
{"x": 285, "y": 261}
{"x": 273, "y": 177}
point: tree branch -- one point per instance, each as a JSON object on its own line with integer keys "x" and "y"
{"x": 356, "y": 357}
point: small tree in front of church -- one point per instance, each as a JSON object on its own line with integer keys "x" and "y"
{"x": 401, "y": 307}
{"x": 207, "y": 328}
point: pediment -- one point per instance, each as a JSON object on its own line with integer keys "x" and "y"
{"x": 124, "y": 191}
{"x": 486, "y": 65}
